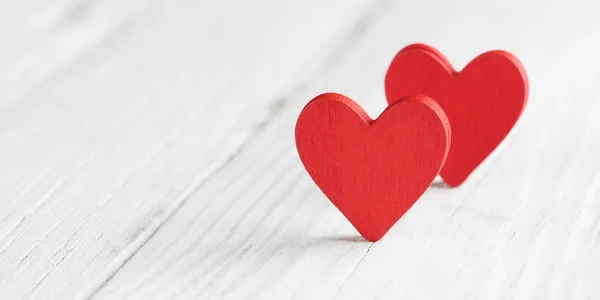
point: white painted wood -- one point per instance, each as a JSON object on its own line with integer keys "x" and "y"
{"x": 42, "y": 37}
{"x": 525, "y": 226}
{"x": 161, "y": 163}
{"x": 134, "y": 109}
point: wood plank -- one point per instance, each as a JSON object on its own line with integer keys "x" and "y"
{"x": 41, "y": 38}
{"x": 97, "y": 157}
{"x": 525, "y": 226}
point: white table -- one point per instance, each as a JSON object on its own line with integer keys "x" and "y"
{"x": 147, "y": 152}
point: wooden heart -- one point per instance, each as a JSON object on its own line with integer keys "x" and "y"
{"x": 373, "y": 171}
{"x": 483, "y": 101}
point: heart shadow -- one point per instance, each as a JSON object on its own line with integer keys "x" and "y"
{"x": 438, "y": 183}
{"x": 344, "y": 238}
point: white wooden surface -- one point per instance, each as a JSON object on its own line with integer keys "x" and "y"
{"x": 146, "y": 152}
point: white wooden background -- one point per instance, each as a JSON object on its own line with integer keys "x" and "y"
{"x": 147, "y": 152}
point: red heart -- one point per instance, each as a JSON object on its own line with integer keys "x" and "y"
{"x": 372, "y": 171}
{"x": 483, "y": 102}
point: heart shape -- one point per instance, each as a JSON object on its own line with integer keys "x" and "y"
{"x": 483, "y": 101}
{"x": 373, "y": 171}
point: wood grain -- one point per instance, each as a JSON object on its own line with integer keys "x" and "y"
{"x": 96, "y": 158}
{"x": 43, "y": 38}
{"x": 524, "y": 226}
{"x": 121, "y": 186}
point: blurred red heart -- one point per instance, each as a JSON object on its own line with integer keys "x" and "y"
{"x": 483, "y": 101}
{"x": 373, "y": 171}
